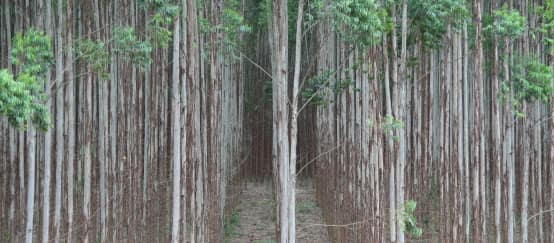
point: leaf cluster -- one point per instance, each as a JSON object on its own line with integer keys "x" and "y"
{"x": 507, "y": 23}
{"x": 546, "y": 26}
{"x": 231, "y": 27}
{"x": 164, "y": 12}
{"x": 318, "y": 88}
{"x": 532, "y": 81}
{"x": 408, "y": 219}
{"x": 359, "y": 22}
{"x": 95, "y": 54}
{"x": 22, "y": 95}
{"x": 430, "y": 18}
{"x": 131, "y": 48}
{"x": 32, "y": 52}
{"x": 390, "y": 124}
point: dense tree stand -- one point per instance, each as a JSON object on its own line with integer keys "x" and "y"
{"x": 277, "y": 121}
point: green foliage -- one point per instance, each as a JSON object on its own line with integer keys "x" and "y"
{"x": 124, "y": 42}
{"x": 7, "y": 236}
{"x": 18, "y": 101}
{"x": 127, "y": 44}
{"x": 507, "y": 23}
{"x": 408, "y": 220}
{"x": 263, "y": 13}
{"x": 390, "y": 124}
{"x": 546, "y": 26}
{"x": 21, "y": 96}
{"x": 314, "y": 11}
{"x": 316, "y": 89}
{"x": 32, "y": 52}
{"x": 359, "y": 22}
{"x": 164, "y": 13}
{"x": 230, "y": 224}
{"x": 95, "y": 54}
{"x": 532, "y": 81}
{"x": 15, "y": 99}
{"x": 231, "y": 27}
{"x": 430, "y": 18}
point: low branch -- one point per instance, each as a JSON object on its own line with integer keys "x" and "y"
{"x": 317, "y": 157}
{"x": 539, "y": 213}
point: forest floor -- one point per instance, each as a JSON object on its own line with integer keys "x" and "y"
{"x": 253, "y": 219}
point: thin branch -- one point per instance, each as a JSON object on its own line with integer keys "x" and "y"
{"x": 317, "y": 157}
{"x": 539, "y": 213}
{"x": 342, "y": 225}
{"x": 255, "y": 64}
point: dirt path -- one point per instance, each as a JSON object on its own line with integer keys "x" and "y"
{"x": 255, "y": 219}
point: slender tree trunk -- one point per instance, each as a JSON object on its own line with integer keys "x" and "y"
{"x": 525, "y": 179}
{"x": 390, "y": 156}
{"x": 281, "y": 163}
{"x": 13, "y": 133}
{"x": 59, "y": 117}
{"x": 87, "y": 133}
{"x": 496, "y": 142}
{"x": 32, "y": 143}
{"x": 402, "y": 110}
{"x": 477, "y": 143}
{"x": 101, "y": 156}
{"x": 183, "y": 109}
{"x": 48, "y": 138}
{"x": 113, "y": 124}
{"x": 467, "y": 156}
{"x": 508, "y": 151}
{"x": 551, "y": 159}
{"x": 176, "y": 134}
{"x": 294, "y": 124}
{"x": 31, "y": 134}
{"x": 71, "y": 116}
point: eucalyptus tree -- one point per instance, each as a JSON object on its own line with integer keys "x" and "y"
{"x": 278, "y": 30}
{"x": 176, "y": 133}
{"x": 47, "y": 139}
{"x": 507, "y": 25}
{"x": 22, "y": 100}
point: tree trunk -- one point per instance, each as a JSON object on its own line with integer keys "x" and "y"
{"x": 48, "y": 140}
{"x": 183, "y": 113}
{"x": 401, "y": 114}
{"x": 477, "y": 134}
{"x": 71, "y": 116}
{"x": 281, "y": 164}
{"x": 294, "y": 125}
{"x": 176, "y": 134}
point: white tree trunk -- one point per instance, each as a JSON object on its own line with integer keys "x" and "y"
{"x": 48, "y": 138}
{"x": 388, "y": 104}
{"x": 402, "y": 109}
{"x": 31, "y": 148}
{"x": 507, "y": 154}
{"x": 176, "y": 135}
{"x": 183, "y": 109}
{"x": 294, "y": 124}
{"x": 87, "y": 154}
{"x": 281, "y": 164}
{"x": 525, "y": 180}
{"x": 71, "y": 116}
